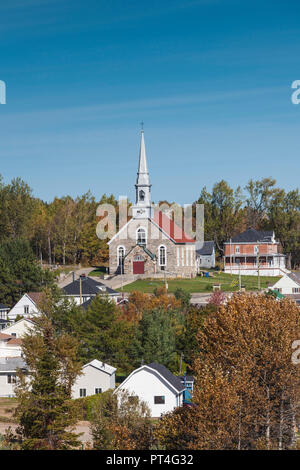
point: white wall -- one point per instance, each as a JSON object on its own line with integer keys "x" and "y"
{"x": 93, "y": 378}
{"x": 20, "y": 328}
{"x": 6, "y": 389}
{"x": 10, "y": 351}
{"x": 18, "y": 309}
{"x": 253, "y": 272}
{"x": 146, "y": 384}
{"x": 206, "y": 261}
{"x": 285, "y": 284}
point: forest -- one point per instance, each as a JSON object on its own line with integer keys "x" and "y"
{"x": 63, "y": 231}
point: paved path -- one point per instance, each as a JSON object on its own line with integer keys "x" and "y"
{"x": 82, "y": 427}
{"x": 69, "y": 277}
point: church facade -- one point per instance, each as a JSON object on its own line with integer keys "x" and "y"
{"x": 150, "y": 243}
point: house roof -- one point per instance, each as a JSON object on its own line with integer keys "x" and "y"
{"x": 101, "y": 366}
{"x": 14, "y": 340}
{"x": 10, "y": 339}
{"x": 35, "y": 296}
{"x": 206, "y": 248}
{"x": 168, "y": 376}
{"x": 253, "y": 236}
{"x": 295, "y": 277}
{"x": 10, "y": 364}
{"x": 88, "y": 287}
{"x": 170, "y": 228}
{"x": 4, "y": 337}
{"x": 188, "y": 378}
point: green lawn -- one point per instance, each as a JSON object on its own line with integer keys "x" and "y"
{"x": 98, "y": 272}
{"x": 228, "y": 283}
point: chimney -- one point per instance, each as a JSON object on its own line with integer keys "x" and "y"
{"x": 73, "y": 275}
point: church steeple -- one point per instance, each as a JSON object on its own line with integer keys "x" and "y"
{"x": 142, "y": 207}
{"x": 142, "y": 174}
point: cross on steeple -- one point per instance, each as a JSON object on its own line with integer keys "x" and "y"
{"x": 142, "y": 125}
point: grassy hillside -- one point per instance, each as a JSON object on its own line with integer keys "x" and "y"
{"x": 202, "y": 284}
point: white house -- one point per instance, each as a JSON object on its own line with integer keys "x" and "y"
{"x": 97, "y": 377}
{"x": 8, "y": 369}
{"x": 85, "y": 289}
{"x": 26, "y": 306}
{"x": 205, "y": 255}
{"x": 289, "y": 284}
{"x": 155, "y": 385}
{"x": 4, "y": 321}
{"x": 10, "y": 346}
{"x": 19, "y": 328}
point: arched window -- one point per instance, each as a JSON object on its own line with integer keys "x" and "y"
{"x": 162, "y": 255}
{"x": 141, "y": 237}
{"x": 121, "y": 256}
{"x": 142, "y": 195}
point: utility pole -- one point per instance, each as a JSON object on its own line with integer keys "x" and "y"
{"x": 230, "y": 259}
{"x": 166, "y": 284}
{"x": 240, "y": 279}
{"x": 181, "y": 358}
{"x": 258, "y": 274}
{"x": 122, "y": 269}
{"x": 80, "y": 289}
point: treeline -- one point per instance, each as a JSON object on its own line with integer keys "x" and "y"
{"x": 261, "y": 205}
{"x": 64, "y": 230}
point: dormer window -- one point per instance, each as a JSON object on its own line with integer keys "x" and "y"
{"x": 142, "y": 195}
{"x": 141, "y": 237}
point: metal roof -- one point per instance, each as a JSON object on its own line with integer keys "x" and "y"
{"x": 205, "y": 248}
{"x": 171, "y": 378}
{"x": 101, "y": 366}
{"x": 88, "y": 287}
{"x": 253, "y": 236}
{"x": 10, "y": 364}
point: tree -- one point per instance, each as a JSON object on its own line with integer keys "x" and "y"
{"x": 223, "y": 214}
{"x": 103, "y": 335}
{"x": 155, "y": 338}
{"x": 20, "y": 271}
{"x": 45, "y": 412}
{"x": 247, "y": 388}
{"x": 183, "y": 296}
{"x": 260, "y": 195}
{"x": 121, "y": 422}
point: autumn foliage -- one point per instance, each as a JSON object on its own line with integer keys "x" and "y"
{"x": 247, "y": 388}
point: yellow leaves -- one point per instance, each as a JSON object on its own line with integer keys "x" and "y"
{"x": 138, "y": 302}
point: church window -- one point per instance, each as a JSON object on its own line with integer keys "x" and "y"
{"x": 142, "y": 195}
{"x": 121, "y": 256}
{"x": 162, "y": 255}
{"x": 141, "y": 237}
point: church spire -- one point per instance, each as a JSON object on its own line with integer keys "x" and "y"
{"x": 142, "y": 207}
{"x": 142, "y": 174}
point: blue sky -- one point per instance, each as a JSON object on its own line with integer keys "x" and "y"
{"x": 211, "y": 80}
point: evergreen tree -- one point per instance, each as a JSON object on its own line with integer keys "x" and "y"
{"x": 45, "y": 412}
{"x": 155, "y": 338}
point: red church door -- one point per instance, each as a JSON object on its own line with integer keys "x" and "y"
{"x": 138, "y": 265}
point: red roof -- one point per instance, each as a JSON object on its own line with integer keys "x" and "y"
{"x": 171, "y": 229}
{"x": 35, "y": 296}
